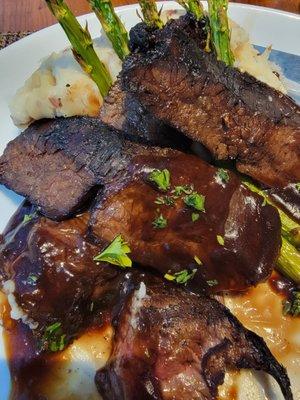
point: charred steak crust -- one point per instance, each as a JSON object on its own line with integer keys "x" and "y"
{"x": 170, "y": 344}
{"x": 231, "y": 113}
{"x": 59, "y": 164}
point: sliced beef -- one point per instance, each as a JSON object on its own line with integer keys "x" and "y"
{"x": 250, "y": 230}
{"x": 235, "y": 116}
{"x": 125, "y": 113}
{"x": 59, "y": 164}
{"x": 48, "y": 267}
{"x": 170, "y": 344}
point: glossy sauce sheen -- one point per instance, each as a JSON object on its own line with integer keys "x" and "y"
{"x": 251, "y": 231}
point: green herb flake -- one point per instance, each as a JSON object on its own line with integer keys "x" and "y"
{"x": 198, "y": 261}
{"x": 28, "y": 218}
{"x": 165, "y": 200}
{"x": 222, "y": 175}
{"x": 291, "y": 306}
{"x": 212, "y": 282}
{"x": 161, "y": 178}
{"x": 181, "y": 277}
{"x": 31, "y": 279}
{"x": 297, "y": 186}
{"x": 264, "y": 203}
{"x": 220, "y": 240}
{"x": 53, "y": 338}
{"x": 160, "y": 222}
{"x": 195, "y": 217}
{"x": 179, "y": 190}
{"x": 116, "y": 253}
{"x": 196, "y": 201}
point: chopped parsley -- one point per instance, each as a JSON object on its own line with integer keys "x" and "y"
{"x": 28, "y": 217}
{"x": 53, "y": 338}
{"x": 179, "y": 190}
{"x": 222, "y": 175}
{"x": 161, "y": 178}
{"x": 291, "y": 306}
{"x": 220, "y": 240}
{"x": 165, "y": 200}
{"x": 195, "y": 217}
{"x": 264, "y": 203}
{"x": 198, "y": 261}
{"x": 116, "y": 253}
{"x": 31, "y": 279}
{"x": 212, "y": 282}
{"x": 196, "y": 201}
{"x": 181, "y": 277}
{"x": 297, "y": 186}
{"x": 160, "y": 222}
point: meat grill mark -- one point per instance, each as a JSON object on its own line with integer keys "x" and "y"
{"x": 231, "y": 113}
{"x": 251, "y": 231}
{"x": 170, "y": 344}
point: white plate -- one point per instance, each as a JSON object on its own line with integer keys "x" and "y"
{"x": 18, "y": 61}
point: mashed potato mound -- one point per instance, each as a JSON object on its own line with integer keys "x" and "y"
{"x": 59, "y": 88}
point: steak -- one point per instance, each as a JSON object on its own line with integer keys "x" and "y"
{"x": 235, "y": 116}
{"x": 236, "y": 237}
{"x": 49, "y": 267}
{"x": 125, "y": 113}
{"x": 59, "y": 164}
{"x": 170, "y": 344}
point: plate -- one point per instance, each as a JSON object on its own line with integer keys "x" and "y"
{"x": 19, "y": 60}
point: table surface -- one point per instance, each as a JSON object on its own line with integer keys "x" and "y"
{"x": 31, "y": 15}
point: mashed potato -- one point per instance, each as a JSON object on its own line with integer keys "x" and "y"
{"x": 60, "y": 87}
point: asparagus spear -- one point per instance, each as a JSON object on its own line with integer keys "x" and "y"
{"x": 194, "y": 7}
{"x": 82, "y": 45}
{"x": 151, "y": 14}
{"x": 112, "y": 26}
{"x": 219, "y": 30}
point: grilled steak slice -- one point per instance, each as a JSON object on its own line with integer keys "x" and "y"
{"x": 231, "y": 113}
{"x": 251, "y": 231}
{"x": 124, "y": 113}
{"x": 49, "y": 268}
{"x": 171, "y": 344}
{"x": 58, "y": 164}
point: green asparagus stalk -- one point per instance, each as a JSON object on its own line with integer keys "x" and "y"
{"x": 219, "y": 30}
{"x": 82, "y": 45}
{"x": 150, "y": 14}
{"x": 288, "y": 262}
{"x": 290, "y": 229}
{"x": 112, "y": 26}
{"x": 194, "y": 7}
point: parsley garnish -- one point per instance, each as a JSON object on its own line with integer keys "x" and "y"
{"x": 186, "y": 189}
{"x": 181, "y": 277}
{"x": 297, "y": 186}
{"x": 292, "y": 305}
{"x": 116, "y": 253}
{"x": 196, "y": 201}
{"x": 222, "y": 175}
{"x": 220, "y": 240}
{"x": 212, "y": 282}
{"x": 31, "y": 279}
{"x": 161, "y": 178}
{"x": 165, "y": 200}
{"x": 53, "y": 339}
{"x": 160, "y": 222}
{"x": 195, "y": 217}
{"x": 28, "y": 217}
{"x": 198, "y": 261}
